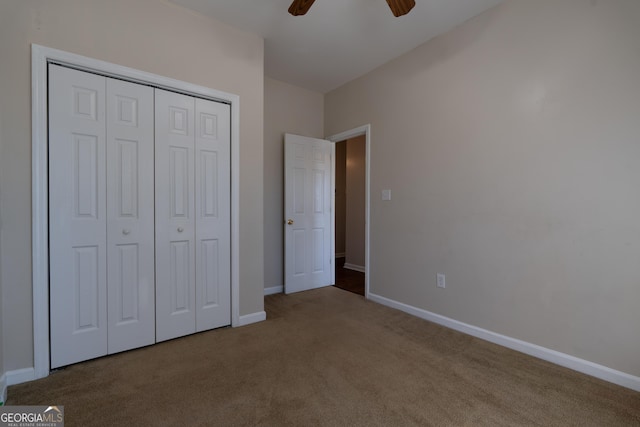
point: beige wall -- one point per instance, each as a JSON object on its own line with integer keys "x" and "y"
{"x": 341, "y": 196}
{"x": 149, "y": 35}
{"x": 287, "y": 109}
{"x": 2, "y": 323}
{"x": 2, "y": 370}
{"x": 355, "y": 209}
{"x": 511, "y": 145}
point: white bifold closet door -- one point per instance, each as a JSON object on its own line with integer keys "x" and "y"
{"x": 101, "y": 192}
{"x": 140, "y": 226}
{"x": 193, "y": 261}
{"x": 130, "y": 211}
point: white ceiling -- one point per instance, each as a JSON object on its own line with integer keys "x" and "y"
{"x": 337, "y": 40}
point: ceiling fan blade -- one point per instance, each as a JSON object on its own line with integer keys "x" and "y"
{"x": 400, "y": 7}
{"x": 300, "y": 7}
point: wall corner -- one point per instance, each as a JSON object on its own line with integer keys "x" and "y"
{"x": 3, "y": 389}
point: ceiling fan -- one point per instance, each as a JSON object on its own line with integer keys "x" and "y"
{"x": 398, "y": 7}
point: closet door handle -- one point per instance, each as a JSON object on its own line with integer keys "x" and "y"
{"x": 126, "y": 231}
{"x": 180, "y": 229}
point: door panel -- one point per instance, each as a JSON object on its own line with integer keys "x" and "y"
{"x": 209, "y": 262}
{"x": 130, "y": 231}
{"x": 307, "y": 213}
{"x": 77, "y": 217}
{"x": 85, "y": 172}
{"x": 179, "y": 182}
{"x": 86, "y": 288}
{"x": 213, "y": 214}
{"x": 127, "y": 278}
{"x": 180, "y": 277}
{"x": 175, "y": 222}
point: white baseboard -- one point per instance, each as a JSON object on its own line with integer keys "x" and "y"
{"x": 20, "y": 376}
{"x": 354, "y": 267}
{"x": 340, "y": 255}
{"x": 586, "y": 367}
{"x": 248, "y": 319}
{"x": 3, "y": 389}
{"x": 274, "y": 290}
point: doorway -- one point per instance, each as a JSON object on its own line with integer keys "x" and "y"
{"x": 351, "y": 213}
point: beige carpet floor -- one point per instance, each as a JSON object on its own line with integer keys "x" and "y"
{"x": 329, "y": 357}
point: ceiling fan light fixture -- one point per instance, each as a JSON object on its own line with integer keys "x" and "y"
{"x": 401, "y": 7}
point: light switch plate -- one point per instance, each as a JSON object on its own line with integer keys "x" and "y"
{"x": 386, "y": 194}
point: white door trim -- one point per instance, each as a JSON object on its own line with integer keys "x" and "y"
{"x": 40, "y": 57}
{"x": 366, "y": 131}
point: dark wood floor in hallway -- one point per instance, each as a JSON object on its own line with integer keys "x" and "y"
{"x": 347, "y": 279}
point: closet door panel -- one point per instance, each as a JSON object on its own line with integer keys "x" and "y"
{"x": 213, "y": 221}
{"x": 175, "y": 220}
{"x": 130, "y": 209}
{"x": 77, "y": 216}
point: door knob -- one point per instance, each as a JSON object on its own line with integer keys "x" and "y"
{"x": 125, "y": 231}
{"x": 290, "y": 221}
{"x": 180, "y": 229}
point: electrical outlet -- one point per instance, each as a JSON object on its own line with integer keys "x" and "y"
{"x": 441, "y": 282}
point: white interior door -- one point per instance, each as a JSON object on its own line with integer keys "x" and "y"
{"x": 175, "y": 208}
{"x": 130, "y": 215}
{"x": 308, "y": 253}
{"x": 77, "y": 216}
{"x": 213, "y": 214}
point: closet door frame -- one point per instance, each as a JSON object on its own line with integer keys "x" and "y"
{"x": 40, "y": 58}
